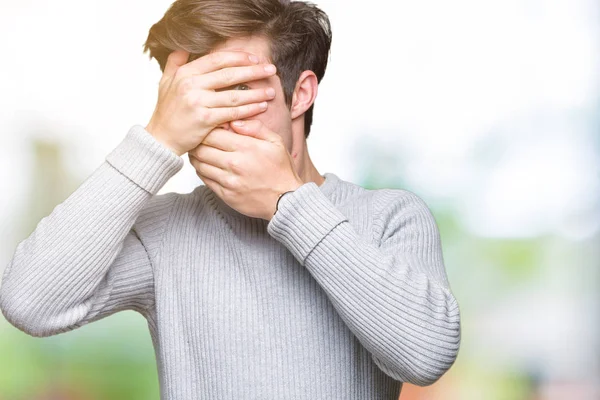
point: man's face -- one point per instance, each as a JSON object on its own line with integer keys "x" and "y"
{"x": 277, "y": 117}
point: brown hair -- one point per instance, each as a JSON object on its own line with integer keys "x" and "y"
{"x": 299, "y": 34}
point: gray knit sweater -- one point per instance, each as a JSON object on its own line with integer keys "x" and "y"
{"x": 342, "y": 295}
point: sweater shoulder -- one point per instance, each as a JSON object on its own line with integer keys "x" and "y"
{"x": 392, "y": 200}
{"x": 349, "y": 193}
{"x": 383, "y": 200}
{"x": 395, "y": 210}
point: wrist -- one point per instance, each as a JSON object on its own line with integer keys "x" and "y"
{"x": 162, "y": 139}
{"x": 292, "y": 189}
{"x": 279, "y": 198}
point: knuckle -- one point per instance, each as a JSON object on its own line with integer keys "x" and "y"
{"x": 189, "y": 100}
{"x": 234, "y": 113}
{"x": 234, "y": 98}
{"x": 233, "y": 164}
{"x": 227, "y": 75}
{"x": 232, "y": 182}
{"x": 185, "y": 85}
{"x": 195, "y": 153}
{"x": 203, "y": 115}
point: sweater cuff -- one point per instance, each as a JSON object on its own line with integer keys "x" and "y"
{"x": 144, "y": 160}
{"x": 303, "y": 219}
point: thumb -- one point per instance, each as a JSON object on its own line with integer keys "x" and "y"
{"x": 176, "y": 59}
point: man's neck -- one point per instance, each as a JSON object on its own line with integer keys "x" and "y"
{"x": 302, "y": 162}
{"x": 307, "y": 171}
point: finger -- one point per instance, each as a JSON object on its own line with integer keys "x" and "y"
{"x": 226, "y": 140}
{"x": 232, "y": 98}
{"x": 232, "y": 76}
{"x": 218, "y": 116}
{"x": 211, "y": 183}
{"x": 219, "y": 60}
{"x": 256, "y": 129}
{"x": 175, "y": 60}
{"x": 212, "y": 156}
{"x": 216, "y": 175}
{"x": 248, "y": 126}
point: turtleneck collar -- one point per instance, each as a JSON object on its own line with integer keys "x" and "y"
{"x": 330, "y": 183}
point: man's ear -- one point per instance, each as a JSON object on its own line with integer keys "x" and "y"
{"x": 305, "y": 93}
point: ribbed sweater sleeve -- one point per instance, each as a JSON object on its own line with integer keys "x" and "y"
{"x": 390, "y": 289}
{"x": 85, "y": 260}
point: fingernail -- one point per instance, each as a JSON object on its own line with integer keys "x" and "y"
{"x": 270, "y": 92}
{"x": 263, "y": 105}
{"x": 237, "y": 123}
{"x": 270, "y": 68}
{"x": 253, "y": 58}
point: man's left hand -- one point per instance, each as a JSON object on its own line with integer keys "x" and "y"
{"x": 248, "y": 169}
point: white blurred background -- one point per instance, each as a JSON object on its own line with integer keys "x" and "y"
{"x": 488, "y": 110}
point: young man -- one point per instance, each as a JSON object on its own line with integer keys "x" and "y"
{"x": 331, "y": 291}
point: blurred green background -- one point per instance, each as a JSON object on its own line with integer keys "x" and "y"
{"x": 489, "y": 111}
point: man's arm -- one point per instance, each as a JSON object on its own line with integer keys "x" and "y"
{"x": 85, "y": 260}
{"x": 391, "y": 291}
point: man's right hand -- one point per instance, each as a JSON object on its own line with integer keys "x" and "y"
{"x": 189, "y": 107}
